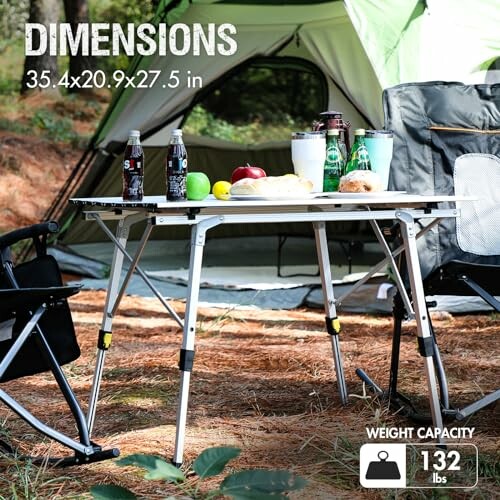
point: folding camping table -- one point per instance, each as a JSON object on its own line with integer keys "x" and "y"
{"x": 207, "y": 214}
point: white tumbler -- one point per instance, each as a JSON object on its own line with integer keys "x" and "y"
{"x": 308, "y": 156}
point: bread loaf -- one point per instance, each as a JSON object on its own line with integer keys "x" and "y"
{"x": 284, "y": 185}
{"x": 360, "y": 181}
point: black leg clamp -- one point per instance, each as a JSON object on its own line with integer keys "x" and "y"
{"x": 186, "y": 360}
{"x": 425, "y": 346}
{"x": 332, "y": 325}
{"x": 104, "y": 340}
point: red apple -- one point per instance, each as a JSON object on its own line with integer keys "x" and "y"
{"x": 247, "y": 171}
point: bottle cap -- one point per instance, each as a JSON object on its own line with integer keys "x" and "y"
{"x": 134, "y": 133}
{"x": 177, "y": 132}
{"x": 359, "y": 131}
{"x": 333, "y": 131}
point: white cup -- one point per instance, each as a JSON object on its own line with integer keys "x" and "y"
{"x": 308, "y": 157}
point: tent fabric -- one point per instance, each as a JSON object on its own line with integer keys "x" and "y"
{"x": 421, "y": 40}
{"x": 434, "y": 125}
{"x": 260, "y": 32}
{"x": 361, "y": 46}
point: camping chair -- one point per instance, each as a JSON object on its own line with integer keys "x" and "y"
{"x": 37, "y": 335}
{"x": 447, "y": 141}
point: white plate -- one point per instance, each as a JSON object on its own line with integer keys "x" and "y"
{"x": 372, "y": 194}
{"x": 254, "y": 197}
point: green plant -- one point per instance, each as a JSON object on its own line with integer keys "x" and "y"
{"x": 15, "y": 126}
{"x": 55, "y": 128}
{"x": 13, "y": 15}
{"x": 21, "y": 478}
{"x": 202, "y": 122}
{"x": 244, "y": 485}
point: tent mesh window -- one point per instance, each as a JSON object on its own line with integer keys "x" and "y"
{"x": 263, "y": 100}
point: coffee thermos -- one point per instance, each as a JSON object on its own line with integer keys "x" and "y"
{"x": 333, "y": 120}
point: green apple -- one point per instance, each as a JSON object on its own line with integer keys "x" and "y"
{"x": 197, "y": 186}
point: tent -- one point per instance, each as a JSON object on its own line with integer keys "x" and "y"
{"x": 359, "y": 46}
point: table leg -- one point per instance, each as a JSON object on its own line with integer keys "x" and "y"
{"x": 426, "y": 346}
{"x": 105, "y": 333}
{"x": 332, "y": 322}
{"x": 198, "y": 233}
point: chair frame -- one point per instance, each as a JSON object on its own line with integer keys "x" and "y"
{"x": 425, "y": 123}
{"x": 41, "y": 300}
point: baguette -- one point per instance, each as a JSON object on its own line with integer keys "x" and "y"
{"x": 283, "y": 185}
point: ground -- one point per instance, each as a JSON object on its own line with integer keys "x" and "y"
{"x": 263, "y": 380}
{"x": 42, "y": 137}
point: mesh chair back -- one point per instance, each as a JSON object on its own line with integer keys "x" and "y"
{"x": 479, "y": 222}
{"x": 435, "y": 124}
{"x": 56, "y": 324}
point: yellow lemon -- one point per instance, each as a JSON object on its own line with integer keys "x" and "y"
{"x": 221, "y": 190}
{"x": 290, "y": 175}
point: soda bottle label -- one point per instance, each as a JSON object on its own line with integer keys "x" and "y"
{"x": 133, "y": 179}
{"x": 177, "y": 172}
{"x": 177, "y": 164}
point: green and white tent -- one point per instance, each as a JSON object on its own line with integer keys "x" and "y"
{"x": 359, "y": 46}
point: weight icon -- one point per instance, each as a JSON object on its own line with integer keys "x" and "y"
{"x": 383, "y": 469}
{"x": 382, "y": 465}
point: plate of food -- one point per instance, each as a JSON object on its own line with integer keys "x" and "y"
{"x": 361, "y": 184}
{"x": 283, "y": 187}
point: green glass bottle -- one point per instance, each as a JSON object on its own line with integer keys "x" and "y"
{"x": 359, "y": 159}
{"x": 334, "y": 162}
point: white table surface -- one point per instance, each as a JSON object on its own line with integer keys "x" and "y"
{"x": 160, "y": 202}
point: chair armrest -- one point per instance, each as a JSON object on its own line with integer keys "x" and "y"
{"x": 21, "y": 298}
{"x": 8, "y": 239}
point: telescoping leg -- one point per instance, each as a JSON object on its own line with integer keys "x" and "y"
{"x": 425, "y": 339}
{"x": 105, "y": 333}
{"x": 198, "y": 233}
{"x": 332, "y": 322}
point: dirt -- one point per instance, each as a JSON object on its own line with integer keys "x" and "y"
{"x": 33, "y": 168}
{"x": 263, "y": 381}
{"x": 32, "y": 172}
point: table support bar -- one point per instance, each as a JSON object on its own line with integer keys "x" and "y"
{"x": 383, "y": 263}
{"x": 139, "y": 271}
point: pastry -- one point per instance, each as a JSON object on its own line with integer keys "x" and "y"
{"x": 283, "y": 185}
{"x": 360, "y": 181}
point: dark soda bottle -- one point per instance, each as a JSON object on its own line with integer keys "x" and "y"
{"x": 176, "y": 167}
{"x": 133, "y": 168}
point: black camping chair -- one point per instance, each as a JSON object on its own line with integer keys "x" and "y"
{"x": 447, "y": 141}
{"x": 37, "y": 335}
